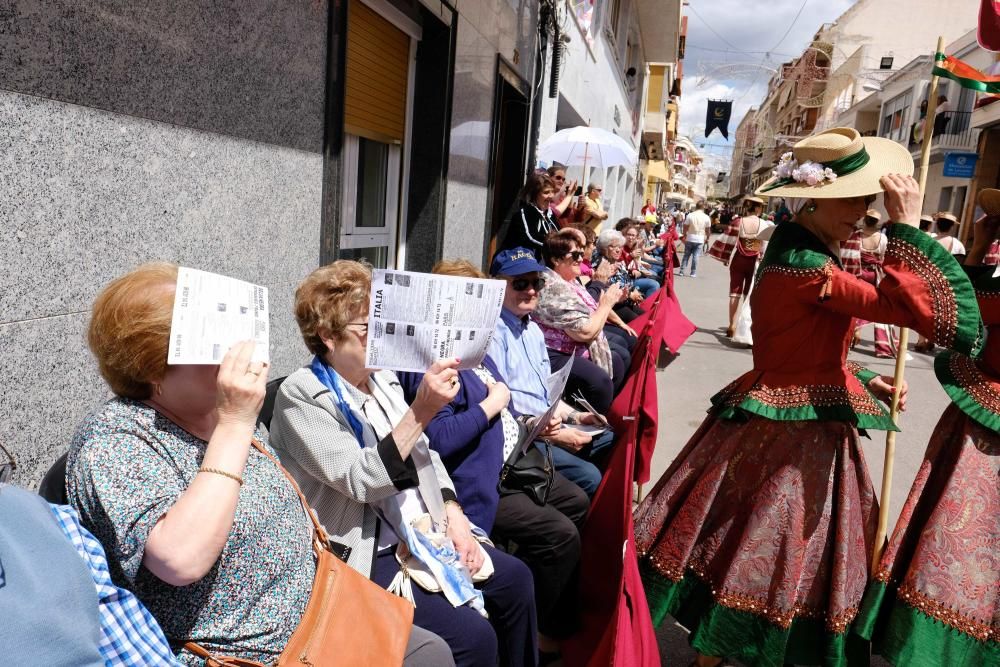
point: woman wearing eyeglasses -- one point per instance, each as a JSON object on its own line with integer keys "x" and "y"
{"x": 176, "y": 481}
{"x": 358, "y": 451}
{"x": 563, "y": 202}
{"x": 577, "y": 325}
{"x": 759, "y": 536}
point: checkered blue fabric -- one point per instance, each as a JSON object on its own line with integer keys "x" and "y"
{"x": 131, "y": 636}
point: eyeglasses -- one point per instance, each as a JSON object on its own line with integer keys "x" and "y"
{"x": 7, "y": 468}
{"x": 575, "y": 255}
{"x": 558, "y": 178}
{"x": 363, "y": 325}
{"x": 522, "y": 284}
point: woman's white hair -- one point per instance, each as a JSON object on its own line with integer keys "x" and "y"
{"x": 608, "y": 238}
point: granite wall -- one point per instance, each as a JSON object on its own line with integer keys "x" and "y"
{"x": 131, "y": 131}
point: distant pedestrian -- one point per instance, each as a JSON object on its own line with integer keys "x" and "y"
{"x": 594, "y": 214}
{"x": 697, "y": 226}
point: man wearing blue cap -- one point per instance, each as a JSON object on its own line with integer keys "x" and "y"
{"x": 519, "y": 351}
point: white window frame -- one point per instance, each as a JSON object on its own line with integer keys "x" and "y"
{"x": 354, "y": 237}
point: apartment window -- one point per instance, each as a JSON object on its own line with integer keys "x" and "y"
{"x": 614, "y": 16}
{"x": 371, "y": 201}
{"x": 895, "y": 117}
{"x": 885, "y": 63}
{"x": 958, "y": 206}
{"x": 944, "y": 199}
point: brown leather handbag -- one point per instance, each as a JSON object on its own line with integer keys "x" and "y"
{"x": 349, "y": 621}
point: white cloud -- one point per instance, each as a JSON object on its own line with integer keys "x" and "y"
{"x": 755, "y": 28}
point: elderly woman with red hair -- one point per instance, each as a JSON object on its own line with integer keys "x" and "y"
{"x": 181, "y": 488}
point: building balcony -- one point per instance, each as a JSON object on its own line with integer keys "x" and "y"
{"x": 953, "y": 133}
{"x": 764, "y": 161}
{"x": 660, "y": 28}
{"x": 986, "y": 115}
{"x": 654, "y": 134}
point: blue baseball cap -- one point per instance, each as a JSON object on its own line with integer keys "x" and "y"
{"x": 515, "y": 262}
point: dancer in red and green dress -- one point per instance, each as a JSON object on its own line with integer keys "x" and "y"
{"x": 758, "y": 538}
{"x": 935, "y": 600}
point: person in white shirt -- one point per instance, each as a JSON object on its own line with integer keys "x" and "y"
{"x": 697, "y": 226}
{"x": 945, "y": 224}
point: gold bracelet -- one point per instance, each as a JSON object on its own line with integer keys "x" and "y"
{"x": 216, "y": 471}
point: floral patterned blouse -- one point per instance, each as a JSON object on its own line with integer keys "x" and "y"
{"x": 127, "y": 466}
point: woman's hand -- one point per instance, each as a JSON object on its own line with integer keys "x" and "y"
{"x": 611, "y": 296}
{"x": 629, "y": 330}
{"x": 986, "y": 230}
{"x": 438, "y": 388}
{"x": 460, "y": 532}
{"x": 881, "y": 386}
{"x": 903, "y": 202}
{"x": 571, "y": 188}
{"x": 497, "y": 398}
{"x": 636, "y": 296}
{"x": 604, "y": 271}
{"x": 240, "y": 386}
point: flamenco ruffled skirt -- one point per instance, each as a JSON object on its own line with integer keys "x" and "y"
{"x": 936, "y": 595}
{"x": 758, "y": 538}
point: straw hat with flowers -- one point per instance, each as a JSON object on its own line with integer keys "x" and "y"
{"x": 837, "y": 163}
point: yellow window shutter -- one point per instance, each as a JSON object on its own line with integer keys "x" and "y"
{"x": 378, "y": 56}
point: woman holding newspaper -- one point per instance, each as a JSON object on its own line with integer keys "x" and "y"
{"x": 359, "y": 453}
{"x": 476, "y": 434}
{"x": 174, "y": 479}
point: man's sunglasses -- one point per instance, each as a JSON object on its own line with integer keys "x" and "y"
{"x": 7, "y": 468}
{"x": 521, "y": 284}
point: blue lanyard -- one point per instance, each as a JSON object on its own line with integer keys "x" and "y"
{"x": 332, "y": 381}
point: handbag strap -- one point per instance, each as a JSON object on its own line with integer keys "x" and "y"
{"x": 320, "y": 533}
{"x": 319, "y": 543}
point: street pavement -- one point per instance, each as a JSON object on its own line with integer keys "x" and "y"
{"x": 709, "y": 361}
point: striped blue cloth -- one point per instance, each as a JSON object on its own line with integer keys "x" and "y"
{"x": 131, "y": 637}
{"x": 518, "y": 349}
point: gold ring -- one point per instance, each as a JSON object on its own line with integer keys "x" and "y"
{"x": 255, "y": 373}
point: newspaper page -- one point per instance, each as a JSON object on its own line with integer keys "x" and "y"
{"x": 556, "y": 384}
{"x": 212, "y": 313}
{"x": 415, "y": 319}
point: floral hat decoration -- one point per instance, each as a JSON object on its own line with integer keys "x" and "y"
{"x": 837, "y": 163}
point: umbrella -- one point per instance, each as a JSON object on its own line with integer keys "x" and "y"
{"x": 587, "y": 145}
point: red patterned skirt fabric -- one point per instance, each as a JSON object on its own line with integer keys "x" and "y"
{"x": 741, "y": 273}
{"x": 777, "y": 518}
{"x": 944, "y": 556}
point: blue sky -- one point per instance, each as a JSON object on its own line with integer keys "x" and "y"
{"x": 747, "y": 33}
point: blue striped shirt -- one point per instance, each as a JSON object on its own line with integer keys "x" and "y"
{"x": 518, "y": 349}
{"x": 130, "y": 636}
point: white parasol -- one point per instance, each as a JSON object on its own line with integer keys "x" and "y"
{"x": 587, "y": 145}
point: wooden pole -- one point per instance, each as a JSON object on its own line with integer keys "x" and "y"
{"x": 904, "y": 334}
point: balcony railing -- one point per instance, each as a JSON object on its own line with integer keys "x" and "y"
{"x": 952, "y": 131}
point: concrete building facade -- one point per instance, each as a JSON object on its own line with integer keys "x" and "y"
{"x": 618, "y": 64}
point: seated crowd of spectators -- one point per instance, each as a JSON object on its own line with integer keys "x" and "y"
{"x": 183, "y": 537}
